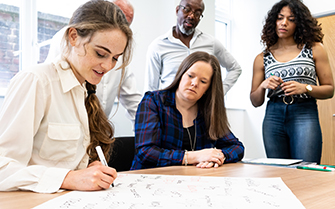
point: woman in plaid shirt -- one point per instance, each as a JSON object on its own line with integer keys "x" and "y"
{"x": 186, "y": 123}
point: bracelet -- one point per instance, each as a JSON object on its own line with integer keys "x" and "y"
{"x": 185, "y": 160}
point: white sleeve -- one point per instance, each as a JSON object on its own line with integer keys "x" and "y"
{"x": 130, "y": 97}
{"x": 20, "y": 116}
{"x": 226, "y": 60}
{"x": 153, "y": 69}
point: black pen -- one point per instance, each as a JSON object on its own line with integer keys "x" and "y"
{"x": 102, "y": 157}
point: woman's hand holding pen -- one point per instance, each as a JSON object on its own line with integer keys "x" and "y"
{"x": 95, "y": 177}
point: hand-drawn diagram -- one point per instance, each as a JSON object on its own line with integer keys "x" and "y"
{"x": 133, "y": 191}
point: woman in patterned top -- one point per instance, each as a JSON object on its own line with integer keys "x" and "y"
{"x": 293, "y": 59}
{"x": 186, "y": 123}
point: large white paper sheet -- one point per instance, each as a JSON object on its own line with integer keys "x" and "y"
{"x": 174, "y": 191}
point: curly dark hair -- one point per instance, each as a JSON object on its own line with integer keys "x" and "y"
{"x": 307, "y": 29}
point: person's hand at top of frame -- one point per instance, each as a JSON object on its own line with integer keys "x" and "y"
{"x": 95, "y": 177}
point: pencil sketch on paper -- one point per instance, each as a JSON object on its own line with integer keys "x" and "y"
{"x": 132, "y": 191}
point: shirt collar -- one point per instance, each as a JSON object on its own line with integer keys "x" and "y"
{"x": 169, "y": 34}
{"x": 67, "y": 78}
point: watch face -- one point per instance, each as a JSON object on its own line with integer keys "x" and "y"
{"x": 309, "y": 87}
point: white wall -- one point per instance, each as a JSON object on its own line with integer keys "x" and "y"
{"x": 320, "y": 7}
{"x": 248, "y": 17}
{"x": 152, "y": 18}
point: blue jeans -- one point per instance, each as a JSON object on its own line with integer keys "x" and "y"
{"x": 292, "y": 131}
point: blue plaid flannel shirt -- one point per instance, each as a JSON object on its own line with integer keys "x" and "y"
{"x": 159, "y": 134}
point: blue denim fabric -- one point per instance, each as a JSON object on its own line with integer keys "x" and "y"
{"x": 292, "y": 131}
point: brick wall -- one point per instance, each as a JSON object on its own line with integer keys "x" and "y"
{"x": 48, "y": 25}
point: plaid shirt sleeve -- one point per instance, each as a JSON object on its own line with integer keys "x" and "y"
{"x": 149, "y": 133}
{"x": 231, "y": 147}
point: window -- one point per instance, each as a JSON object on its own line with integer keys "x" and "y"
{"x": 52, "y": 16}
{"x": 222, "y": 21}
{"x": 26, "y": 27}
{"x": 9, "y": 42}
{"x": 49, "y": 22}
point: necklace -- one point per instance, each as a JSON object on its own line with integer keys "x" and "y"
{"x": 195, "y": 137}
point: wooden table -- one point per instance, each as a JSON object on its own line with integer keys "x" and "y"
{"x": 315, "y": 189}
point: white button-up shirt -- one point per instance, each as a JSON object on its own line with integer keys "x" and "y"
{"x": 166, "y": 53}
{"x": 107, "y": 92}
{"x": 44, "y": 129}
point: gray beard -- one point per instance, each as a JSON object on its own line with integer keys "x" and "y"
{"x": 183, "y": 30}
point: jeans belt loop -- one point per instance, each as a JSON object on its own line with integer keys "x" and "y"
{"x": 288, "y": 103}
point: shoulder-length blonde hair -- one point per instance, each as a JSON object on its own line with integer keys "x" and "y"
{"x": 211, "y": 104}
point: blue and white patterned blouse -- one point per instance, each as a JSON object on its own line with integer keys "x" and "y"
{"x": 300, "y": 69}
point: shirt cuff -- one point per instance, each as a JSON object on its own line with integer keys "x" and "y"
{"x": 51, "y": 180}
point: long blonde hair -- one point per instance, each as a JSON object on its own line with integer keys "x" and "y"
{"x": 93, "y": 16}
